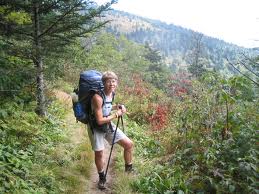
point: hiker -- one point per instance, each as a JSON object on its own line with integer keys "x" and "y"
{"x": 102, "y": 111}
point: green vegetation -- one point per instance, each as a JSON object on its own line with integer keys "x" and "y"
{"x": 37, "y": 154}
{"x": 212, "y": 146}
{"x": 192, "y": 134}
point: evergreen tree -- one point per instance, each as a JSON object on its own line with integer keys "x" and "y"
{"x": 197, "y": 66}
{"x": 152, "y": 55}
{"x": 35, "y": 29}
{"x": 158, "y": 73}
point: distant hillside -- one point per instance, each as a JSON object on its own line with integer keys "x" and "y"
{"x": 175, "y": 43}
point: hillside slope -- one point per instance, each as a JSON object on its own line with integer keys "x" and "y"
{"x": 176, "y": 44}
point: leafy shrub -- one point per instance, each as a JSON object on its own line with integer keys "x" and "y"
{"x": 145, "y": 146}
{"x": 202, "y": 159}
{"x": 29, "y": 162}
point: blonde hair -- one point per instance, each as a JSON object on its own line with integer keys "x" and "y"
{"x": 109, "y": 75}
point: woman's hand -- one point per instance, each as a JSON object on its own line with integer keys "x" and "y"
{"x": 121, "y": 110}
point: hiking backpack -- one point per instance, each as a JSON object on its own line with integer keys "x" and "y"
{"x": 90, "y": 83}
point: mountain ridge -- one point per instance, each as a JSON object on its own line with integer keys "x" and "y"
{"x": 175, "y": 43}
{"x": 157, "y": 21}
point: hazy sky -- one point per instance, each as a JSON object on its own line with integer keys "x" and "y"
{"x": 235, "y": 21}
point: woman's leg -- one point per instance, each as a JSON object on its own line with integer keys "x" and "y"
{"x": 99, "y": 161}
{"x": 127, "y": 144}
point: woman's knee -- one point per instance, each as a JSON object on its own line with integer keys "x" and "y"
{"x": 130, "y": 144}
{"x": 127, "y": 144}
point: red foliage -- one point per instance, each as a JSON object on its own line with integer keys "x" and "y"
{"x": 153, "y": 111}
{"x": 139, "y": 87}
{"x": 158, "y": 119}
{"x": 180, "y": 85}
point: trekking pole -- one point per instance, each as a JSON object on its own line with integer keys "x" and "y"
{"x": 106, "y": 171}
{"x": 122, "y": 124}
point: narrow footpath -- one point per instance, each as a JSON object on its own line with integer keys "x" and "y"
{"x": 92, "y": 186}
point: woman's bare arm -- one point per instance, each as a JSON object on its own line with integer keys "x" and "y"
{"x": 97, "y": 102}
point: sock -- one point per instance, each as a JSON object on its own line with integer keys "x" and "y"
{"x": 101, "y": 175}
{"x": 128, "y": 167}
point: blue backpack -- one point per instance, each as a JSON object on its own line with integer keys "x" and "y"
{"x": 90, "y": 83}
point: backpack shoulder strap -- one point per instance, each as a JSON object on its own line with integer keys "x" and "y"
{"x": 100, "y": 93}
{"x": 113, "y": 96}
{"x": 103, "y": 96}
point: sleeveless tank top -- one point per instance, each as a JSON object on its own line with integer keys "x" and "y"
{"x": 106, "y": 110}
{"x": 107, "y": 106}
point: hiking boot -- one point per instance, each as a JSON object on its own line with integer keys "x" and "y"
{"x": 101, "y": 184}
{"x": 129, "y": 168}
{"x": 102, "y": 181}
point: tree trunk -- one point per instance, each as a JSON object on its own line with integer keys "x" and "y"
{"x": 225, "y": 131}
{"x": 40, "y": 97}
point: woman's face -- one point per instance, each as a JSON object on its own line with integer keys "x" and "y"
{"x": 110, "y": 85}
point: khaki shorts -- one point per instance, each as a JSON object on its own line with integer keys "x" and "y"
{"x": 97, "y": 138}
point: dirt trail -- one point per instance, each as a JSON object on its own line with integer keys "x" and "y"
{"x": 78, "y": 133}
{"x": 92, "y": 188}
